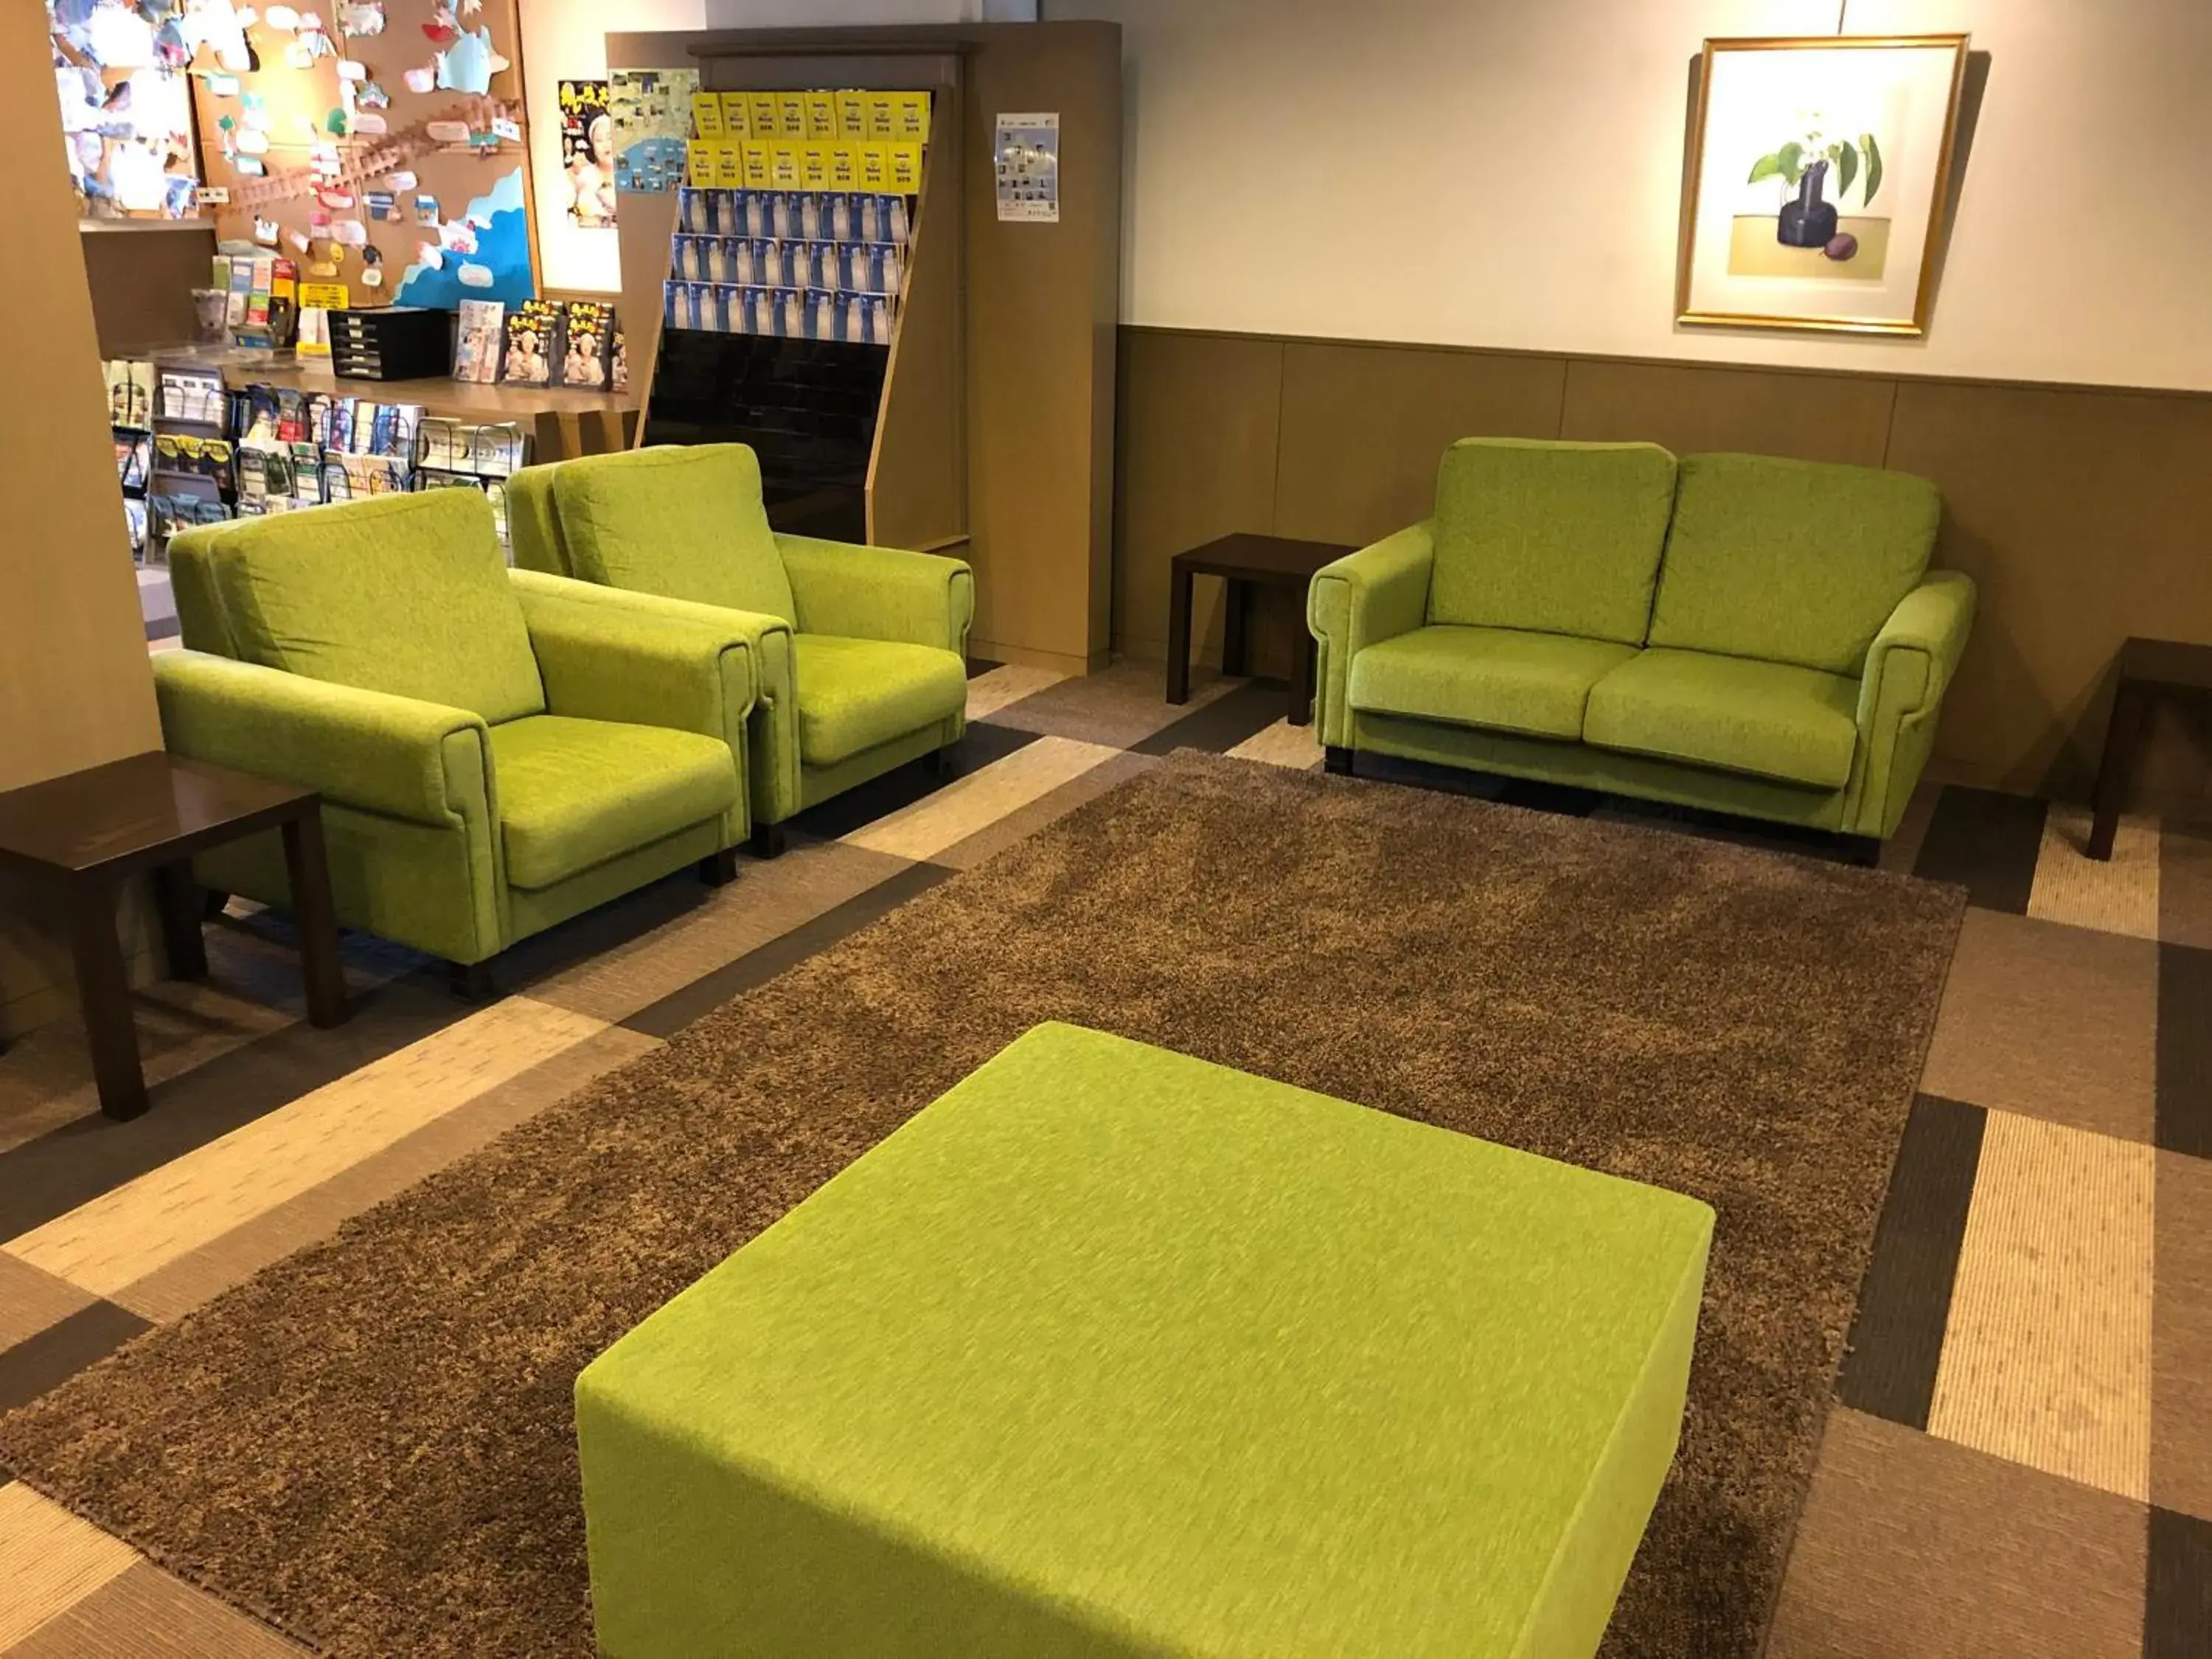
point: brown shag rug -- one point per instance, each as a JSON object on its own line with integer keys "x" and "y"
{"x": 371, "y": 1445}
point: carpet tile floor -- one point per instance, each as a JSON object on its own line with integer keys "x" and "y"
{"x": 2019, "y": 1463}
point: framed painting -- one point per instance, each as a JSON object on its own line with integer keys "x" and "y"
{"x": 1817, "y": 182}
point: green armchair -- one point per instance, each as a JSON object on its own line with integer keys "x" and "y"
{"x": 860, "y": 652}
{"x": 496, "y": 751}
{"x": 1741, "y": 633}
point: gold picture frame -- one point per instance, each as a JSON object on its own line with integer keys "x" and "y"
{"x": 1822, "y": 268}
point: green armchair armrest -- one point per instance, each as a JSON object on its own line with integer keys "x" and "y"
{"x": 370, "y": 750}
{"x": 1908, "y": 669}
{"x": 1376, "y": 593}
{"x": 533, "y": 522}
{"x": 879, "y": 592}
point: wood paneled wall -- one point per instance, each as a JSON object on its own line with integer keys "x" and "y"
{"x": 2084, "y": 513}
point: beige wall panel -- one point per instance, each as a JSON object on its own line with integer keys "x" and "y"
{"x": 2082, "y": 515}
{"x": 1197, "y": 446}
{"x": 1364, "y": 428}
{"x": 1815, "y": 418}
{"x": 141, "y": 283}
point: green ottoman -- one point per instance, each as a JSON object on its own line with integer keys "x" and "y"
{"x": 1112, "y": 1352}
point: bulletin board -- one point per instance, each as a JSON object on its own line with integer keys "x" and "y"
{"x": 380, "y": 144}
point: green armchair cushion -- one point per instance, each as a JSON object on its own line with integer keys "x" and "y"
{"x": 1792, "y": 562}
{"x": 1558, "y": 537}
{"x": 406, "y": 594}
{"x": 1502, "y": 678}
{"x": 1770, "y": 719}
{"x": 684, "y": 522}
{"x": 856, "y": 694}
{"x": 577, "y": 792}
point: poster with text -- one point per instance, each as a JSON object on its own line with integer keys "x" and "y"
{"x": 1026, "y": 159}
{"x": 588, "y": 154}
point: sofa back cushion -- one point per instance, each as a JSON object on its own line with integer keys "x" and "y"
{"x": 1560, "y": 537}
{"x": 1795, "y": 562}
{"x": 407, "y": 594}
{"x": 685, "y": 523}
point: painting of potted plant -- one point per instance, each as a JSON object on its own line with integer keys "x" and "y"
{"x": 1805, "y": 164}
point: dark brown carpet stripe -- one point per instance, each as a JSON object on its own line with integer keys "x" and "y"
{"x": 2177, "y": 1588}
{"x": 1223, "y": 724}
{"x": 2184, "y": 1055}
{"x": 900, "y": 787}
{"x": 1897, "y": 1338}
{"x": 1987, "y": 843}
{"x": 58, "y": 1353}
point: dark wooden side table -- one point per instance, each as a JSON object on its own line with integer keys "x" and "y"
{"x": 1243, "y": 562}
{"x": 86, "y": 833}
{"x": 2147, "y": 669}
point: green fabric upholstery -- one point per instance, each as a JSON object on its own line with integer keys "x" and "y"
{"x": 957, "y": 1402}
{"x": 533, "y": 523}
{"x": 201, "y": 624}
{"x": 574, "y": 793}
{"x": 1909, "y": 668}
{"x": 1772, "y": 719}
{"x": 1795, "y": 562}
{"x": 407, "y": 594}
{"x": 684, "y": 522}
{"x": 1496, "y": 676}
{"x": 855, "y": 694}
{"x": 1558, "y": 537}
{"x": 1375, "y": 594}
{"x": 879, "y": 594}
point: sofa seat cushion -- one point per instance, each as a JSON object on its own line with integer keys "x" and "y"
{"x": 855, "y": 694}
{"x": 682, "y": 521}
{"x": 1770, "y": 719}
{"x": 1501, "y": 677}
{"x": 1561, "y": 538}
{"x": 573, "y": 794}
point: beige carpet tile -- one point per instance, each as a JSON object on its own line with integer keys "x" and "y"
{"x": 979, "y": 799}
{"x": 49, "y": 1561}
{"x": 191, "y": 1281}
{"x": 1911, "y": 1547}
{"x": 2181, "y": 1339}
{"x": 988, "y": 693}
{"x": 127, "y": 1233}
{"x": 32, "y": 1299}
{"x": 145, "y": 1614}
{"x": 1283, "y": 745}
{"x": 2118, "y": 896}
{"x": 2047, "y": 1353}
{"x": 2185, "y": 886}
{"x": 2050, "y": 1021}
{"x": 768, "y": 899}
{"x": 1024, "y": 822}
{"x": 1120, "y": 706}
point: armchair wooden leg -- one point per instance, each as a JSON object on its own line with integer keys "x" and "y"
{"x": 720, "y": 869}
{"x": 767, "y": 841}
{"x": 1337, "y": 761}
{"x": 471, "y": 981}
{"x": 1865, "y": 851}
{"x": 937, "y": 762}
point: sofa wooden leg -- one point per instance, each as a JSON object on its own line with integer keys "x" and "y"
{"x": 767, "y": 841}
{"x": 1337, "y": 761}
{"x": 937, "y": 762}
{"x": 1865, "y": 851}
{"x": 471, "y": 981}
{"x": 720, "y": 869}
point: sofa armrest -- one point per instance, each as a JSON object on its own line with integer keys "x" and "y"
{"x": 1375, "y": 594}
{"x": 533, "y": 522}
{"x": 370, "y": 750}
{"x": 1908, "y": 668}
{"x": 880, "y": 593}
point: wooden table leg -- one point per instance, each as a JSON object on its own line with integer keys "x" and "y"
{"x": 1302, "y": 674}
{"x": 309, "y": 869}
{"x": 1179, "y": 584}
{"x": 177, "y": 896}
{"x": 1234, "y": 632}
{"x": 2123, "y": 737}
{"x": 103, "y": 986}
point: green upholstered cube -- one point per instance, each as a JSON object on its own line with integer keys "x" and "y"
{"x": 1113, "y": 1351}
{"x": 1788, "y": 561}
{"x": 685, "y": 522}
{"x": 1560, "y": 537}
{"x": 1508, "y": 680}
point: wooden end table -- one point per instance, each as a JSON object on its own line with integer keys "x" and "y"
{"x": 1244, "y": 561}
{"x": 88, "y": 832}
{"x": 2147, "y": 669}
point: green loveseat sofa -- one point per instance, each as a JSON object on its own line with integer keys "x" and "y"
{"x": 861, "y": 651}
{"x": 1741, "y": 633}
{"x": 496, "y": 751}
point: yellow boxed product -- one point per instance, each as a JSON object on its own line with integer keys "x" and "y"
{"x": 791, "y": 115}
{"x": 905, "y": 162}
{"x": 883, "y": 114}
{"x": 845, "y": 166}
{"x": 706, "y": 115}
{"x": 757, "y": 169}
{"x": 821, "y": 114}
{"x": 699, "y": 155}
{"x": 814, "y": 166}
{"x": 875, "y": 167}
{"x": 760, "y": 114}
{"x": 910, "y": 116}
{"x": 737, "y": 115}
{"x": 851, "y": 114}
{"x": 782, "y": 166}
{"x": 730, "y": 164}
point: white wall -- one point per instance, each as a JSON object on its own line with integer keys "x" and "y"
{"x": 1505, "y": 173}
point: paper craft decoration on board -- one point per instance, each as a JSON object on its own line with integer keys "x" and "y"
{"x": 1820, "y": 172}
{"x": 587, "y": 153}
{"x": 127, "y": 106}
{"x": 1026, "y": 159}
{"x": 493, "y": 233}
